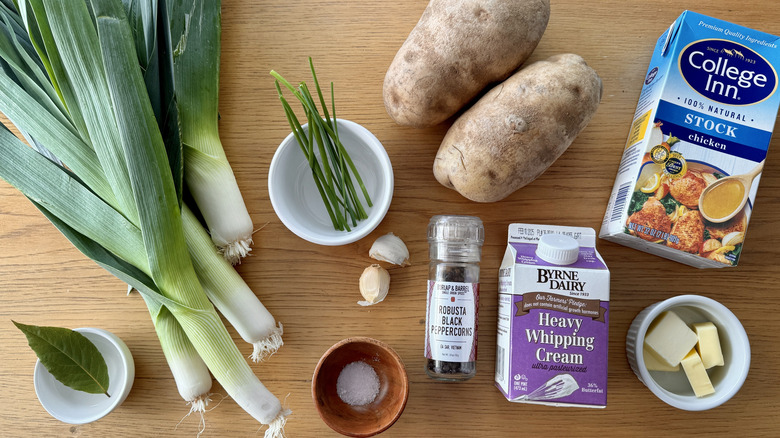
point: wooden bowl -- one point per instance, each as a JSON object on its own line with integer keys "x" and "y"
{"x": 372, "y": 418}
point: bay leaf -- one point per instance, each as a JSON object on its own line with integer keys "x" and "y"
{"x": 69, "y": 356}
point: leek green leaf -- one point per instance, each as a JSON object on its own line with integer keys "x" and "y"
{"x": 77, "y": 42}
{"x": 69, "y": 356}
{"x": 34, "y": 17}
{"x": 116, "y": 266}
{"x": 30, "y": 117}
{"x": 16, "y": 49}
{"x": 146, "y": 159}
{"x": 168, "y": 121}
{"x": 149, "y": 23}
{"x": 49, "y": 185}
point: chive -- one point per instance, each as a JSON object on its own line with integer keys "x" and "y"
{"x": 334, "y": 178}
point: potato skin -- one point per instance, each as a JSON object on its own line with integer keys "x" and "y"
{"x": 457, "y": 49}
{"x": 518, "y": 129}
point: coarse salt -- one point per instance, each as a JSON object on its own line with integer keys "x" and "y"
{"x": 357, "y": 384}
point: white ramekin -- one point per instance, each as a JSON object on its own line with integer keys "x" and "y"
{"x": 673, "y": 387}
{"x": 297, "y": 202}
{"x": 77, "y": 407}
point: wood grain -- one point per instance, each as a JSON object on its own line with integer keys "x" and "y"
{"x": 313, "y": 289}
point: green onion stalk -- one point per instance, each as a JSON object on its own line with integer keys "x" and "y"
{"x": 113, "y": 196}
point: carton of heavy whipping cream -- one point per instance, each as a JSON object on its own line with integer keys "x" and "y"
{"x": 688, "y": 178}
{"x": 553, "y": 317}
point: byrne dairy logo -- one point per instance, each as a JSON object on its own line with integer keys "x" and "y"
{"x": 560, "y": 280}
{"x": 727, "y": 72}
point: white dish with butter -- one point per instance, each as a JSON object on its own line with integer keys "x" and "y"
{"x": 674, "y": 388}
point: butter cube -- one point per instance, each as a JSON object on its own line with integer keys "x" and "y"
{"x": 697, "y": 374}
{"x": 670, "y": 338}
{"x": 653, "y": 363}
{"x": 708, "y": 345}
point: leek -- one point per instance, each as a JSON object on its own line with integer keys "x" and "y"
{"x": 207, "y": 172}
{"x": 191, "y": 374}
{"x": 229, "y": 293}
{"x": 111, "y": 212}
{"x": 239, "y": 309}
{"x": 222, "y": 284}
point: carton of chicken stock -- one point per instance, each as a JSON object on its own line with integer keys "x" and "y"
{"x": 687, "y": 181}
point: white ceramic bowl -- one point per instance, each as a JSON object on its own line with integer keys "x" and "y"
{"x": 673, "y": 387}
{"x": 297, "y": 202}
{"x": 78, "y": 407}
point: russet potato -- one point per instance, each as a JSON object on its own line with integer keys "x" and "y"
{"x": 518, "y": 129}
{"x": 457, "y": 49}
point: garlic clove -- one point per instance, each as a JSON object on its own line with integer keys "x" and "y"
{"x": 374, "y": 284}
{"x": 390, "y": 248}
{"x": 734, "y": 238}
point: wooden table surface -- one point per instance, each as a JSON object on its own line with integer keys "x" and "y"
{"x": 313, "y": 289}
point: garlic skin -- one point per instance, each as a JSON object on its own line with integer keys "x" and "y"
{"x": 390, "y": 248}
{"x": 374, "y": 284}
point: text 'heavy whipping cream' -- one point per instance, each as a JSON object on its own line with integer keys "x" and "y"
{"x": 696, "y": 148}
{"x": 553, "y": 317}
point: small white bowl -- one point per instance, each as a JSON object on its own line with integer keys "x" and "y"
{"x": 297, "y": 202}
{"x": 78, "y": 407}
{"x": 673, "y": 387}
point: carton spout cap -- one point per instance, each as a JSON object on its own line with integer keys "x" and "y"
{"x": 558, "y": 249}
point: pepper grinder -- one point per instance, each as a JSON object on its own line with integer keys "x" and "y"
{"x": 455, "y": 250}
